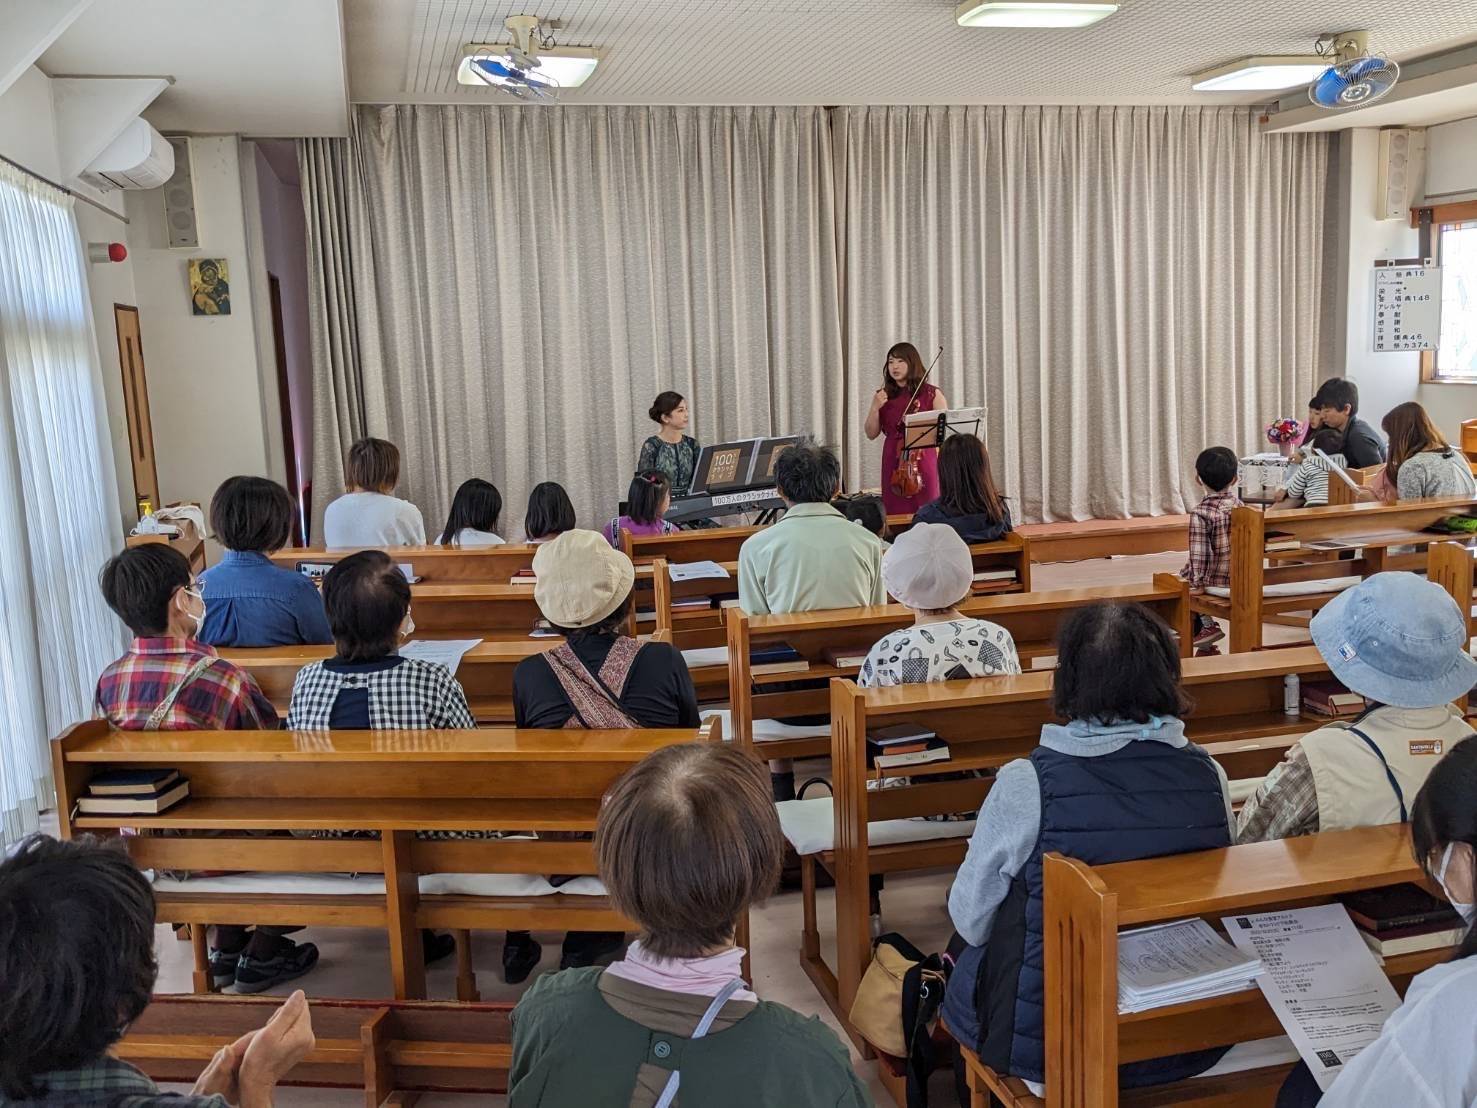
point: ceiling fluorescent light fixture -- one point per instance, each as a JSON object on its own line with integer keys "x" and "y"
{"x": 1030, "y": 13}
{"x": 568, "y": 66}
{"x": 1260, "y": 74}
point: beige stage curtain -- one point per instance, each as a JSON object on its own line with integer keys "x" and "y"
{"x": 1119, "y": 286}
{"x": 503, "y": 290}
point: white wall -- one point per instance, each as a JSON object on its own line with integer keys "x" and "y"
{"x": 1384, "y": 380}
{"x": 207, "y": 394}
{"x": 1451, "y": 159}
{"x": 28, "y": 136}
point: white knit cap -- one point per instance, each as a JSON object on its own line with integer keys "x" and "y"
{"x": 581, "y": 579}
{"x": 928, "y": 567}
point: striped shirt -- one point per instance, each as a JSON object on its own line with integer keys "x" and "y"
{"x": 1310, "y": 480}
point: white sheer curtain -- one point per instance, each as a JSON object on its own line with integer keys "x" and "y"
{"x": 58, "y": 509}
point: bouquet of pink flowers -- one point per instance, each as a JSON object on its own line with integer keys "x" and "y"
{"x": 1284, "y": 431}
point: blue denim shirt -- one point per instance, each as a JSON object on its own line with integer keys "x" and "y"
{"x": 251, "y": 602}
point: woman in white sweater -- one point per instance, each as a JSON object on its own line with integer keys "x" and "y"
{"x": 367, "y": 515}
{"x": 1426, "y": 1056}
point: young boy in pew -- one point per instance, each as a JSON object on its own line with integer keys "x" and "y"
{"x": 1210, "y": 534}
{"x": 1085, "y": 792}
{"x": 1425, "y": 1055}
{"x": 169, "y": 681}
{"x": 1400, "y": 642}
{"x": 77, "y": 967}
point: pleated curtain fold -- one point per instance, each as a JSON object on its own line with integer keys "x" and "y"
{"x": 502, "y": 290}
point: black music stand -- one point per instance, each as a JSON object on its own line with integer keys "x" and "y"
{"x": 927, "y": 430}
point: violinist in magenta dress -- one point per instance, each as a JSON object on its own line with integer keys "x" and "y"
{"x": 903, "y": 392}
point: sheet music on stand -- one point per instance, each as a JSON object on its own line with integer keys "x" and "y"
{"x": 926, "y": 430}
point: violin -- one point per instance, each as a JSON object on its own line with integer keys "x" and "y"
{"x": 907, "y": 478}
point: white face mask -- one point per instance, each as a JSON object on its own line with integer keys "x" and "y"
{"x": 408, "y": 627}
{"x": 200, "y": 619}
{"x": 1467, "y": 911}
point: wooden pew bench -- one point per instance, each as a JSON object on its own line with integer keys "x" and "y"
{"x": 1081, "y": 540}
{"x": 485, "y": 672}
{"x": 1086, "y": 907}
{"x": 387, "y": 1048}
{"x": 1283, "y": 586}
{"x": 434, "y": 565}
{"x": 1032, "y": 618}
{"x": 1237, "y": 716}
{"x": 399, "y": 785}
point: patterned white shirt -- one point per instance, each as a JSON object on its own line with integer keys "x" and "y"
{"x": 942, "y": 651}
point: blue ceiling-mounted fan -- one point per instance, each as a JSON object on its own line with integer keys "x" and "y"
{"x": 1356, "y": 77}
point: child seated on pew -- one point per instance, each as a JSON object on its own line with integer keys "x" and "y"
{"x": 248, "y": 600}
{"x": 1424, "y": 1056}
{"x": 550, "y": 513}
{"x": 1307, "y": 485}
{"x": 865, "y": 510}
{"x": 1400, "y": 642}
{"x": 1118, "y": 781}
{"x": 77, "y": 966}
{"x": 473, "y": 518}
{"x": 647, "y": 501}
{"x": 598, "y": 678}
{"x": 686, "y": 842}
{"x": 1209, "y": 565}
{"x": 169, "y": 681}
{"x": 367, "y": 515}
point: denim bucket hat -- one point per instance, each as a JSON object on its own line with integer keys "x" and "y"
{"x": 1398, "y": 639}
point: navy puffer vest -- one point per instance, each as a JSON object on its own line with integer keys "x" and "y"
{"x": 1145, "y": 800}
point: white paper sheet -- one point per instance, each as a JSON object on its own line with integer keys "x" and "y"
{"x": 1173, "y": 962}
{"x": 1324, "y": 984}
{"x": 448, "y": 652}
{"x": 696, "y": 571}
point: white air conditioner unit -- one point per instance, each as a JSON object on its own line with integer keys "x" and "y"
{"x": 139, "y": 158}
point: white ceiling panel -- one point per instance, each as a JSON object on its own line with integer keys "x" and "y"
{"x": 257, "y": 67}
{"x": 873, "y": 51}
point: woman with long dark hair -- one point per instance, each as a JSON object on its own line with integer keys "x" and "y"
{"x": 671, "y": 449}
{"x": 968, "y": 500}
{"x": 1423, "y": 1057}
{"x": 904, "y": 392}
{"x": 473, "y": 518}
{"x": 1422, "y": 463}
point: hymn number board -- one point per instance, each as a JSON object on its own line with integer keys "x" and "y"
{"x": 1407, "y": 307}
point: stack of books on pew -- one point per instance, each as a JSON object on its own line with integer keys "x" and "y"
{"x": 692, "y": 603}
{"x": 990, "y": 576}
{"x": 1403, "y": 919}
{"x": 904, "y": 744}
{"x": 1280, "y": 540}
{"x": 778, "y": 658}
{"x": 120, "y": 792}
{"x": 1331, "y": 700}
{"x": 523, "y": 577}
{"x": 846, "y": 657}
{"x": 1174, "y": 963}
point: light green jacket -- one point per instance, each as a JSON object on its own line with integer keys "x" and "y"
{"x": 812, "y": 559}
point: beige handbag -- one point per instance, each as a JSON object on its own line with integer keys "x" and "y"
{"x": 897, "y": 978}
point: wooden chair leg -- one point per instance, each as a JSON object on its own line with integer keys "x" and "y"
{"x": 202, "y": 979}
{"x": 810, "y": 935}
{"x": 466, "y": 977}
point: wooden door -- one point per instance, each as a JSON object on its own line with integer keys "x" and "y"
{"x": 136, "y": 403}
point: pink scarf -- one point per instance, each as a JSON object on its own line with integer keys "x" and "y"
{"x": 699, "y": 976}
